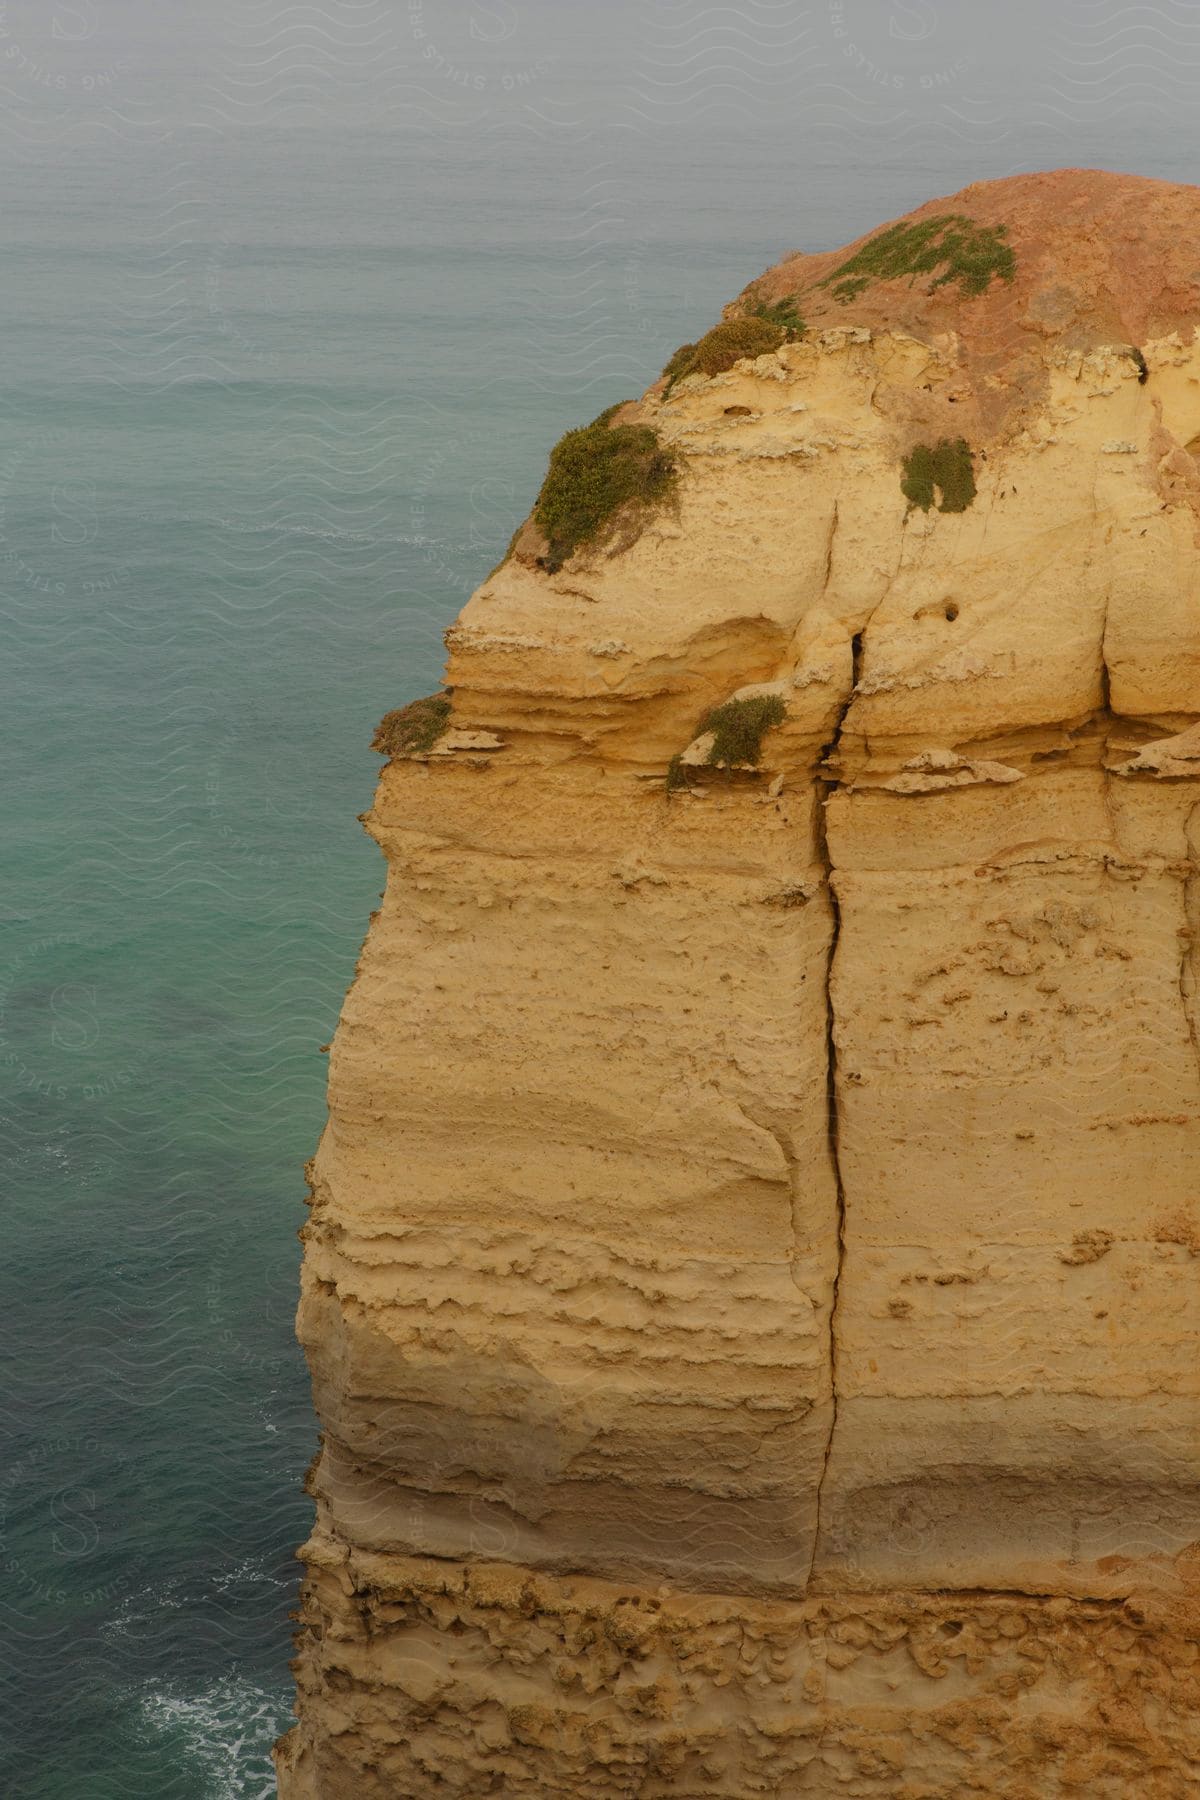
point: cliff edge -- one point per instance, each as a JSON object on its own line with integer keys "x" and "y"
{"x": 752, "y": 1285}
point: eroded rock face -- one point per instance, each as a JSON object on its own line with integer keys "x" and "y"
{"x": 751, "y": 1288}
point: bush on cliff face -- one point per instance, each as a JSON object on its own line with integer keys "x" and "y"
{"x": 679, "y": 365}
{"x": 970, "y": 254}
{"x": 944, "y": 468}
{"x": 726, "y": 344}
{"x": 411, "y": 730}
{"x": 738, "y": 727}
{"x": 594, "y": 472}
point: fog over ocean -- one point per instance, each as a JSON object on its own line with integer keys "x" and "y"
{"x": 296, "y": 298}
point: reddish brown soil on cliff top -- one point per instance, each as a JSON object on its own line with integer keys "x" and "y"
{"x": 1096, "y": 259}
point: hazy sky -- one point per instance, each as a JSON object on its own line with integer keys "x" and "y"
{"x": 988, "y": 86}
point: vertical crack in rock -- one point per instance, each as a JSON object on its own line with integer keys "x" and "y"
{"x": 1187, "y": 942}
{"x": 1105, "y": 675}
{"x": 833, "y": 529}
{"x": 1107, "y": 721}
{"x": 830, "y": 785}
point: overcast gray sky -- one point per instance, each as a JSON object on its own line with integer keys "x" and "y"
{"x": 997, "y": 84}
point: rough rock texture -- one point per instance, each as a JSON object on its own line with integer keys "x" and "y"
{"x": 752, "y": 1282}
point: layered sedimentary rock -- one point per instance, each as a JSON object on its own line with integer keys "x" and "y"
{"x": 751, "y": 1287}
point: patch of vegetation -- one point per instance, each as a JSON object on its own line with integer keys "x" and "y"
{"x": 972, "y": 255}
{"x": 783, "y": 312}
{"x": 945, "y": 468}
{"x": 679, "y": 365}
{"x": 1141, "y": 365}
{"x": 676, "y": 775}
{"x": 724, "y": 345}
{"x": 738, "y": 727}
{"x": 594, "y": 472}
{"x": 412, "y": 730}
{"x": 733, "y": 339}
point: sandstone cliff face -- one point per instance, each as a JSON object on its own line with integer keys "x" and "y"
{"x": 751, "y": 1288}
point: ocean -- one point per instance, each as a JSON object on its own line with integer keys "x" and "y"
{"x": 295, "y": 301}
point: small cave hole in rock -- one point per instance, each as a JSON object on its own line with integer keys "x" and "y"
{"x": 952, "y": 1627}
{"x": 952, "y": 612}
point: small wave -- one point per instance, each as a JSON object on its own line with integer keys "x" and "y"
{"x": 252, "y": 1571}
{"x": 144, "y": 1608}
{"x": 225, "y": 1732}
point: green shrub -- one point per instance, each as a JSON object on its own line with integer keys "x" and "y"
{"x": 945, "y": 467}
{"x": 594, "y": 472}
{"x": 739, "y": 725}
{"x": 411, "y": 730}
{"x": 783, "y": 312}
{"x": 916, "y": 483}
{"x": 679, "y": 365}
{"x": 724, "y": 345}
{"x": 967, "y": 253}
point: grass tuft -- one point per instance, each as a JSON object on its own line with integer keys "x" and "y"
{"x": 969, "y": 254}
{"x": 739, "y": 726}
{"x": 594, "y": 472}
{"x": 412, "y": 730}
{"x": 944, "y": 469}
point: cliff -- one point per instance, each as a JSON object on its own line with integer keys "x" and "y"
{"x": 751, "y": 1287}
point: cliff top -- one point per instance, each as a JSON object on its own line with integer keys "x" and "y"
{"x": 1077, "y": 255}
{"x": 989, "y": 483}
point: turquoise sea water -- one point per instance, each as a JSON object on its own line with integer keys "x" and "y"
{"x": 290, "y": 314}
